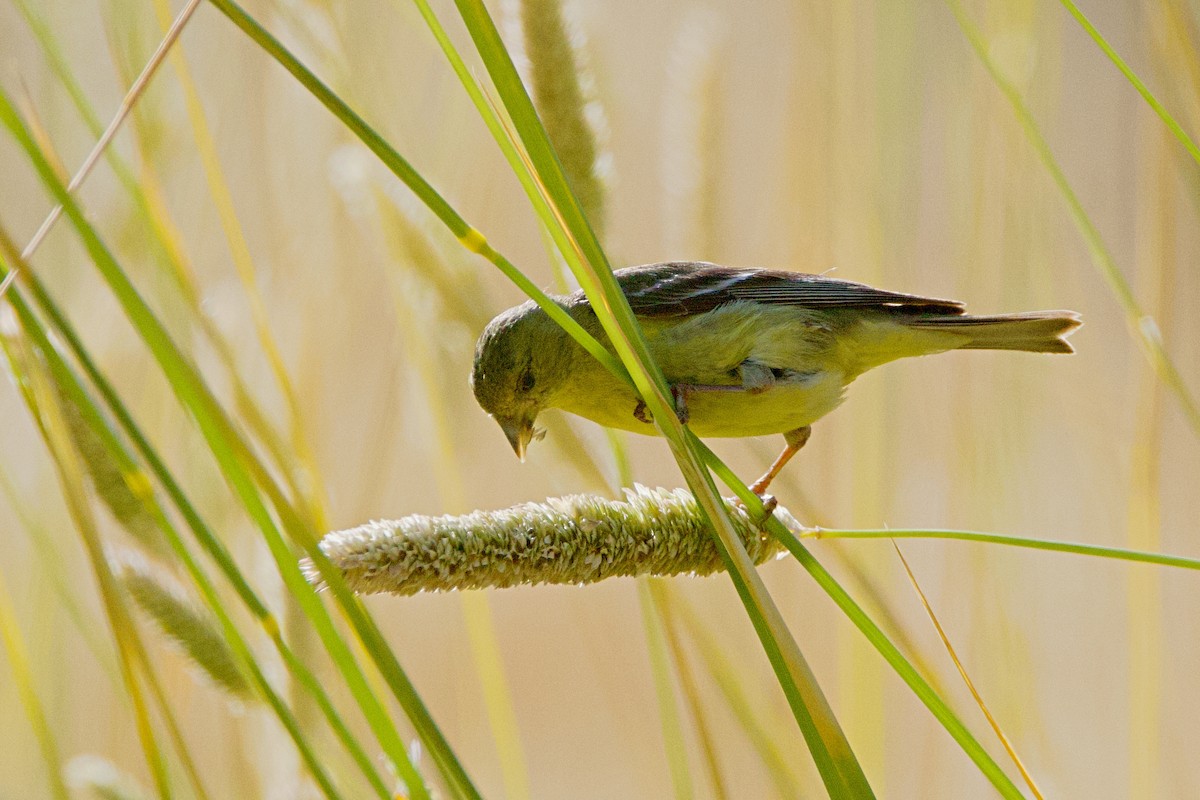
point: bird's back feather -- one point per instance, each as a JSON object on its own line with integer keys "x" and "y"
{"x": 676, "y": 289}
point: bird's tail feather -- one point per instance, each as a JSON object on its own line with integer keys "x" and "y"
{"x": 1033, "y": 331}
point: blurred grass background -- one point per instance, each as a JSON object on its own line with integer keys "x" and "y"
{"x": 863, "y": 137}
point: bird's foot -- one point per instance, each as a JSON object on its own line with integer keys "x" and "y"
{"x": 679, "y": 393}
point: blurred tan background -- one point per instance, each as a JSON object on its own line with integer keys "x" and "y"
{"x": 863, "y": 137}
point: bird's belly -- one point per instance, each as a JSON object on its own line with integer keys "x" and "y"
{"x": 787, "y": 405}
{"x": 784, "y": 407}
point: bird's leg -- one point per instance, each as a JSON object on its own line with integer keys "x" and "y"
{"x": 795, "y": 440}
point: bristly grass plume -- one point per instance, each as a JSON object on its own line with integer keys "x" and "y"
{"x": 570, "y": 540}
{"x": 183, "y": 621}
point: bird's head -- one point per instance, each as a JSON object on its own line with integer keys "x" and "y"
{"x": 521, "y": 359}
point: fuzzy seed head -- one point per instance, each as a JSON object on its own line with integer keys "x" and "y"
{"x": 567, "y": 540}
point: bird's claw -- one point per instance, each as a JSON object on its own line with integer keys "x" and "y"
{"x": 641, "y": 414}
{"x": 769, "y": 505}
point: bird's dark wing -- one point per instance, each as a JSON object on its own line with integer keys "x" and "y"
{"x": 685, "y": 288}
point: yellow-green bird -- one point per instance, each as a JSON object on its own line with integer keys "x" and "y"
{"x": 747, "y": 352}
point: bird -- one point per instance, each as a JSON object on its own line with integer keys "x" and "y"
{"x": 745, "y": 351}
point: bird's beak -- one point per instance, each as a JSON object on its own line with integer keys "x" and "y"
{"x": 520, "y": 433}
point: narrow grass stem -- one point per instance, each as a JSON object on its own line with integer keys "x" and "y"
{"x": 1162, "y": 559}
{"x": 1176, "y": 129}
{"x": 962, "y": 671}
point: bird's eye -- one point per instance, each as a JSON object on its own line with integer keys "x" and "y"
{"x": 527, "y": 381}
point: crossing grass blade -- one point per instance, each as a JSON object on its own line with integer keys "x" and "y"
{"x": 580, "y": 248}
{"x": 877, "y": 638}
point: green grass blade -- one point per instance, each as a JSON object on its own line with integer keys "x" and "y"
{"x": 46, "y": 406}
{"x": 579, "y": 246}
{"x": 470, "y": 237}
{"x": 875, "y": 635}
{"x": 924, "y": 692}
{"x": 1141, "y": 324}
{"x": 207, "y": 538}
{"x": 147, "y": 194}
{"x": 239, "y": 465}
{"x": 68, "y": 385}
{"x": 1176, "y": 129}
{"x": 70, "y": 474}
{"x": 778, "y": 764}
{"x": 1121, "y": 554}
{"x": 239, "y": 249}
